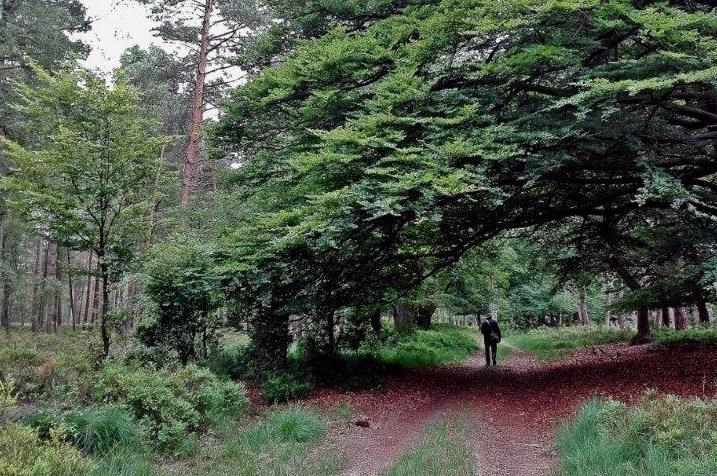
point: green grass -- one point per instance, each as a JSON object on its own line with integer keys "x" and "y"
{"x": 700, "y": 335}
{"x": 556, "y": 343}
{"x": 442, "y": 451}
{"x": 443, "y": 343}
{"x": 280, "y": 444}
{"x": 665, "y": 436}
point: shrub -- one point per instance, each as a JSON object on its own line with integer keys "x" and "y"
{"x": 170, "y": 405}
{"x": 286, "y": 387}
{"x": 230, "y": 361}
{"x": 23, "y": 453}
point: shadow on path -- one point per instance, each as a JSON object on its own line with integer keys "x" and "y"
{"x": 517, "y": 407}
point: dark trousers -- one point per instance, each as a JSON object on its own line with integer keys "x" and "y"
{"x": 490, "y": 347}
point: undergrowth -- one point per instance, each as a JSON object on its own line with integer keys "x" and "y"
{"x": 556, "y": 343}
{"x": 664, "y": 436}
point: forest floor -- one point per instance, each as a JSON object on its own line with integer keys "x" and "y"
{"x": 515, "y": 409}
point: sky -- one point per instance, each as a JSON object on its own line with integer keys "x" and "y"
{"x": 117, "y": 25}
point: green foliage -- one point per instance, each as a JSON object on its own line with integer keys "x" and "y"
{"x": 441, "y": 344}
{"x": 662, "y": 436}
{"x": 556, "y": 343}
{"x": 442, "y": 451}
{"x": 8, "y": 396}
{"x": 184, "y": 290}
{"x": 56, "y": 367}
{"x": 170, "y": 405}
{"x": 286, "y": 387}
{"x": 385, "y": 148}
{"x": 22, "y": 453}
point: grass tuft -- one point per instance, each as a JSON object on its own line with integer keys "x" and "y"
{"x": 663, "y": 436}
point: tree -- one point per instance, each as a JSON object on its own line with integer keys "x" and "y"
{"x": 393, "y": 148}
{"x": 35, "y": 31}
{"x": 183, "y": 286}
{"x": 214, "y": 31}
{"x": 84, "y": 184}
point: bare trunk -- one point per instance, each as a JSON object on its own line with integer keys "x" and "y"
{"x": 608, "y": 314}
{"x": 583, "y": 318}
{"x": 665, "y": 313}
{"x": 643, "y": 327}
{"x": 104, "y": 272}
{"x": 88, "y": 289}
{"x": 6, "y": 288}
{"x": 58, "y": 289}
{"x": 680, "y": 318}
{"x": 73, "y": 315}
{"x": 51, "y": 272}
{"x": 191, "y": 161}
{"x": 95, "y": 300}
{"x": 403, "y": 318}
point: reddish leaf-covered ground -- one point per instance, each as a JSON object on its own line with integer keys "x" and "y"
{"x": 516, "y": 407}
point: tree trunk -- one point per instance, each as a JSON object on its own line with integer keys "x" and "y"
{"x": 73, "y": 315}
{"x": 88, "y": 289}
{"x": 665, "y": 314}
{"x": 643, "y": 327}
{"x": 95, "y": 299}
{"x": 6, "y": 286}
{"x": 375, "y": 319}
{"x": 191, "y": 161}
{"x": 424, "y": 314}
{"x": 104, "y": 273}
{"x": 608, "y": 314}
{"x": 702, "y": 311}
{"x": 680, "y": 318}
{"x": 583, "y": 318}
{"x": 404, "y": 318}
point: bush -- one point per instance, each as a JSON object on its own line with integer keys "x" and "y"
{"x": 286, "y": 387}
{"x": 663, "y": 436}
{"x": 230, "y": 361}
{"x": 170, "y": 405}
{"x": 23, "y": 453}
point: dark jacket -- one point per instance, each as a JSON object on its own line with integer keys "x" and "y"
{"x": 488, "y": 327}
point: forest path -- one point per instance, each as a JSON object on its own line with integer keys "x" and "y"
{"x": 516, "y": 408}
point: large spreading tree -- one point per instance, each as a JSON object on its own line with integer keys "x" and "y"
{"x": 383, "y": 151}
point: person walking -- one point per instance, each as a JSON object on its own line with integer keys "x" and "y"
{"x": 491, "y": 337}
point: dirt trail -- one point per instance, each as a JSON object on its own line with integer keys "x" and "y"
{"x": 516, "y": 407}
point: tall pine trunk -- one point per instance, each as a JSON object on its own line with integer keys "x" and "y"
{"x": 191, "y": 160}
